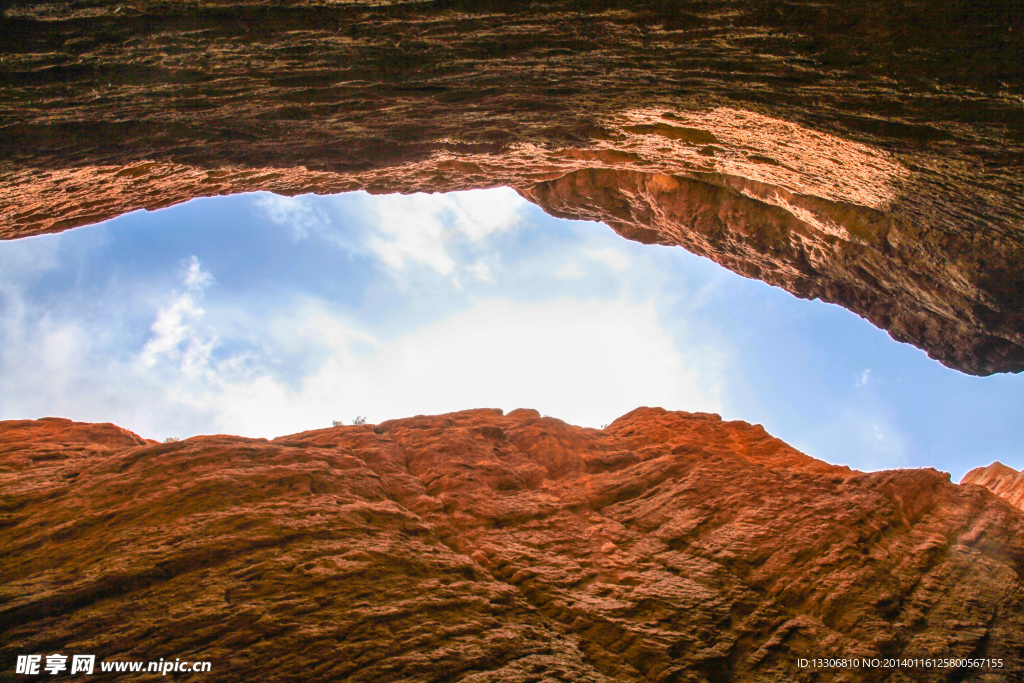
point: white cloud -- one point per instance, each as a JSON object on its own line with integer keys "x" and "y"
{"x": 608, "y": 257}
{"x": 403, "y": 230}
{"x": 418, "y": 228}
{"x": 570, "y": 270}
{"x": 481, "y": 271}
{"x": 22, "y": 262}
{"x": 299, "y": 215}
{"x": 176, "y": 336}
{"x": 307, "y": 364}
{"x": 27, "y": 258}
{"x": 194, "y": 277}
{"x": 185, "y": 358}
{"x": 410, "y": 229}
{"x": 586, "y": 363}
{"x": 55, "y": 364}
{"x": 482, "y": 213}
{"x": 47, "y": 358}
{"x": 613, "y": 258}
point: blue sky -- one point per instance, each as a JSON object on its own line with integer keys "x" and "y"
{"x": 263, "y": 315}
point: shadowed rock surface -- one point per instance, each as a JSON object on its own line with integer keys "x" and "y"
{"x": 1001, "y": 480}
{"x": 477, "y": 546}
{"x": 868, "y": 154}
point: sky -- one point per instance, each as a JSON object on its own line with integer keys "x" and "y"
{"x": 262, "y": 315}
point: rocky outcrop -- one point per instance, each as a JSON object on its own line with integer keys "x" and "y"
{"x": 868, "y": 154}
{"x": 1001, "y": 480}
{"x": 478, "y": 546}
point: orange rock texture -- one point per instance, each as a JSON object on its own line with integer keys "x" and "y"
{"x": 1001, "y": 480}
{"x": 868, "y": 154}
{"x": 478, "y": 546}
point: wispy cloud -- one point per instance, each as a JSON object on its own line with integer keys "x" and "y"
{"x": 586, "y": 363}
{"x": 25, "y": 259}
{"x": 22, "y": 263}
{"x": 447, "y": 302}
{"x": 570, "y": 270}
{"x": 410, "y": 229}
{"x": 481, "y": 271}
{"x": 297, "y": 214}
{"x": 421, "y": 228}
{"x": 176, "y": 336}
{"x": 429, "y": 230}
{"x": 194, "y": 277}
{"x": 611, "y": 258}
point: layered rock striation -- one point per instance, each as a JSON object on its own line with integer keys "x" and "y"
{"x": 868, "y": 154}
{"x": 1001, "y": 480}
{"x": 478, "y": 546}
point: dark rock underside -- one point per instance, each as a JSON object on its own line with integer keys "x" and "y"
{"x": 868, "y": 154}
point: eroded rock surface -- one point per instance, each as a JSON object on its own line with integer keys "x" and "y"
{"x": 478, "y": 546}
{"x": 1001, "y": 480}
{"x": 869, "y": 154}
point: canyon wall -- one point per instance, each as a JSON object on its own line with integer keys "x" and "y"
{"x": 868, "y": 154}
{"x": 478, "y": 546}
{"x": 1001, "y": 480}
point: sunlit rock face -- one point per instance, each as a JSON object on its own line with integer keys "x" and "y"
{"x": 478, "y": 546}
{"x": 868, "y": 154}
{"x": 1001, "y": 480}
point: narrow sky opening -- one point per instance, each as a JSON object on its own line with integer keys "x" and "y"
{"x": 262, "y": 315}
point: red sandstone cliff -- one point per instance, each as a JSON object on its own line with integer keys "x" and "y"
{"x": 1001, "y": 480}
{"x": 478, "y": 546}
{"x": 866, "y": 153}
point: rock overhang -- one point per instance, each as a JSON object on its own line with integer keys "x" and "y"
{"x": 877, "y": 167}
